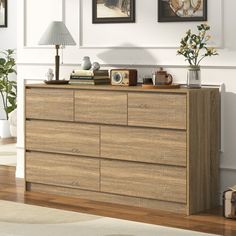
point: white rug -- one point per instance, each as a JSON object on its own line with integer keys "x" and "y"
{"x": 8, "y": 154}
{"x": 17, "y": 219}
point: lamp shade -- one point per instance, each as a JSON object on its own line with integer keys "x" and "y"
{"x": 57, "y": 34}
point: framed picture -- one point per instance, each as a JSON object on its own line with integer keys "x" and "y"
{"x": 3, "y": 13}
{"x": 113, "y": 11}
{"x": 179, "y": 10}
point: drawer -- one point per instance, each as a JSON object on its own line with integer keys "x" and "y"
{"x": 144, "y": 145}
{"x": 157, "y": 110}
{"x": 101, "y": 107}
{"x": 50, "y": 104}
{"x": 62, "y": 170}
{"x": 62, "y": 137}
{"x": 144, "y": 180}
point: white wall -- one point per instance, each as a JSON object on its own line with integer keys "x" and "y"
{"x": 8, "y": 37}
{"x": 142, "y": 45}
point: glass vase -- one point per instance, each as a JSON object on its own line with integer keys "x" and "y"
{"x": 194, "y": 77}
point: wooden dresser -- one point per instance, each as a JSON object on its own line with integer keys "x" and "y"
{"x": 150, "y": 148}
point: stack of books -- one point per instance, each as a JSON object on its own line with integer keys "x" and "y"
{"x": 96, "y": 77}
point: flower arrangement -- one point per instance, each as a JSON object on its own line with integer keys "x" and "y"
{"x": 8, "y": 88}
{"x": 192, "y": 45}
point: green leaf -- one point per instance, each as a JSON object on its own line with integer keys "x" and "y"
{"x": 2, "y": 61}
{"x": 10, "y": 109}
{"x": 12, "y": 93}
{"x": 8, "y": 88}
{"x": 192, "y": 44}
{"x": 12, "y": 100}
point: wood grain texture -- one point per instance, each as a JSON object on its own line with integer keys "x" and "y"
{"x": 101, "y": 107}
{"x": 105, "y": 198}
{"x": 144, "y": 180}
{"x": 62, "y": 137}
{"x": 203, "y": 150}
{"x": 108, "y": 88}
{"x": 62, "y": 170}
{"x": 166, "y": 156}
{"x": 157, "y": 110}
{"x": 4, "y": 141}
{"x": 51, "y": 104}
{"x": 144, "y": 145}
{"x": 211, "y": 221}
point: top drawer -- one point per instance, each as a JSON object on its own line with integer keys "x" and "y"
{"x": 49, "y": 104}
{"x": 101, "y": 107}
{"x": 157, "y": 110}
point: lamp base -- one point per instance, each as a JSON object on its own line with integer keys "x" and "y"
{"x": 56, "y": 81}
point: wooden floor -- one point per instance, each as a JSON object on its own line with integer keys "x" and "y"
{"x": 4, "y": 141}
{"x": 211, "y": 222}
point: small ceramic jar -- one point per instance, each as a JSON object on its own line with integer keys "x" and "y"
{"x": 86, "y": 63}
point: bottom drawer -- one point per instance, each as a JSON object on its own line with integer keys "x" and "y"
{"x": 144, "y": 180}
{"x": 62, "y": 170}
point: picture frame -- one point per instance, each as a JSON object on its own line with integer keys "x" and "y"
{"x": 113, "y": 11}
{"x": 3, "y": 13}
{"x": 182, "y": 11}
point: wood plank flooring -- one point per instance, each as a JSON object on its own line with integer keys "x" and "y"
{"x": 12, "y": 189}
{"x": 4, "y": 141}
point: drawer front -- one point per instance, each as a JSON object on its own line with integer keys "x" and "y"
{"x": 62, "y": 137}
{"x": 144, "y": 145}
{"x": 157, "y": 110}
{"x": 144, "y": 180}
{"x": 51, "y": 104}
{"x": 62, "y": 170}
{"x": 101, "y": 107}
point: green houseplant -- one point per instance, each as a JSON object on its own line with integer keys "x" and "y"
{"x": 194, "y": 48}
{"x": 8, "y": 88}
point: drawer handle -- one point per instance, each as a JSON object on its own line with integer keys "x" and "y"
{"x": 75, "y": 150}
{"x": 143, "y": 106}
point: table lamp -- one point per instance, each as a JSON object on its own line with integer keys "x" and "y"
{"x": 57, "y": 34}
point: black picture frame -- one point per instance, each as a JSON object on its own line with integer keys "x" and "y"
{"x": 126, "y": 6}
{"x": 3, "y": 7}
{"x": 170, "y": 13}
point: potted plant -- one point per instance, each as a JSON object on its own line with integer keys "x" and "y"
{"x": 194, "y": 48}
{"x": 8, "y": 89}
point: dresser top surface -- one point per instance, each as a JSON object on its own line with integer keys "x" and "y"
{"x": 182, "y": 90}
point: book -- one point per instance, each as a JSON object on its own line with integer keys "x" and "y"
{"x": 81, "y": 77}
{"x": 92, "y": 82}
{"x": 101, "y": 77}
{"x": 86, "y": 80}
{"x": 90, "y": 72}
{"x": 89, "y": 77}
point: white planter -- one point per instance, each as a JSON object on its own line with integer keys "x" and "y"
{"x": 4, "y": 129}
{"x": 13, "y": 123}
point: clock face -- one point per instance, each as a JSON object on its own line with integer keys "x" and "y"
{"x": 117, "y": 77}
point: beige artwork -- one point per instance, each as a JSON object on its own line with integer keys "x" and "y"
{"x": 113, "y": 8}
{"x": 187, "y": 8}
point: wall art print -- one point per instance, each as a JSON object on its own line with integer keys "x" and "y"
{"x": 113, "y": 11}
{"x": 182, "y": 10}
{"x": 3, "y": 13}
